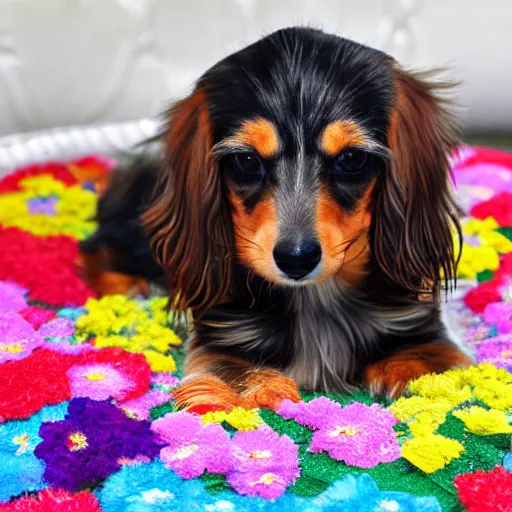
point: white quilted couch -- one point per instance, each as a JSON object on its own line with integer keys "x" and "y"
{"x": 77, "y": 62}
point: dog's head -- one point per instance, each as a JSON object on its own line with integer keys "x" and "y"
{"x": 304, "y": 157}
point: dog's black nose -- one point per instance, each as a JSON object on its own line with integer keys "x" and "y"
{"x": 297, "y": 260}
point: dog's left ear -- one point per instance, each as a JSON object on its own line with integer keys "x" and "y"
{"x": 415, "y": 210}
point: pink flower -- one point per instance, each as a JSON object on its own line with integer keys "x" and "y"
{"x": 11, "y": 298}
{"x": 312, "y": 414}
{"x": 99, "y": 381}
{"x": 165, "y": 381}
{"x": 139, "y": 408}
{"x": 500, "y": 315}
{"x": 358, "y": 434}
{"x": 193, "y": 448}
{"x": 17, "y": 337}
{"x": 37, "y": 316}
{"x": 266, "y": 463}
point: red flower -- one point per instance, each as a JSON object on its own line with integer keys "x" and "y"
{"x": 499, "y": 207}
{"x": 10, "y": 183}
{"x": 51, "y": 500}
{"x": 477, "y": 298}
{"x": 37, "y": 316}
{"x": 44, "y": 265}
{"x": 40, "y": 379}
{"x": 485, "y": 491}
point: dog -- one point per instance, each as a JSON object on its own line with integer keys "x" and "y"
{"x": 304, "y": 214}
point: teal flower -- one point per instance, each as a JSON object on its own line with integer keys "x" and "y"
{"x": 20, "y": 470}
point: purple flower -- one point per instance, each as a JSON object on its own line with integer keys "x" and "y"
{"x": 358, "y": 434}
{"x": 99, "y": 381}
{"x": 496, "y": 351}
{"x": 42, "y": 205}
{"x": 58, "y": 328}
{"x": 193, "y": 447}
{"x": 139, "y": 408}
{"x": 17, "y": 337}
{"x": 11, "y": 298}
{"x": 266, "y": 463}
{"x": 92, "y": 442}
{"x": 500, "y": 315}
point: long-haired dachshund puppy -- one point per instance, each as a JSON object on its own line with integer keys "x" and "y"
{"x": 305, "y": 216}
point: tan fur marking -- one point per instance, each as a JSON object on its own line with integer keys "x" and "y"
{"x": 343, "y": 236}
{"x": 341, "y": 134}
{"x": 256, "y": 235}
{"x": 259, "y": 133}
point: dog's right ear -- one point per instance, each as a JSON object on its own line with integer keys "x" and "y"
{"x": 188, "y": 220}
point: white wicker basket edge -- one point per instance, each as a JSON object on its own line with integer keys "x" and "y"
{"x": 60, "y": 144}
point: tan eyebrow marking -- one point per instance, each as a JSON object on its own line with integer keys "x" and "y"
{"x": 259, "y": 133}
{"x": 342, "y": 134}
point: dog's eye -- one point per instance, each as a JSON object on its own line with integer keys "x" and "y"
{"x": 249, "y": 163}
{"x": 350, "y": 161}
{"x": 244, "y": 168}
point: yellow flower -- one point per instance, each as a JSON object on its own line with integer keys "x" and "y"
{"x": 481, "y": 421}
{"x": 474, "y": 227}
{"x": 116, "y": 320}
{"x": 495, "y": 394}
{"x": 239, "y": 418}
{"x": 431, "y": 452}
{"x": 75, "y": 208}
{"x": 497, "y": 241}
{"x": 446, "y": 386}
{"x": 477, "y": 259}
{"x": 423, "y": 415}
{"x": 159, "y": 362}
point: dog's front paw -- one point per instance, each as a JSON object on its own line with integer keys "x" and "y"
{"x": 391, "y": 376}
{"x": 266, "y": 389}
{"x": 205, "y": 393}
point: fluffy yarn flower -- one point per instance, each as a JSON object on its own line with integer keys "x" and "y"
{"x": 17, "y": 337}
{"x": 361, "y": 494}
{"x": 58, "y": 328}
{"x": 20, "y": 470}
{"x": 483, "y": 491}
{"x": 431, "y": 452}
{"x": 154, "y": 488}
{"x": 37, "y": 316}
{"x": 266, "y": 463}
{"x": 496, "y": 350}
{"x": 99, "y": 382}
{"x": 239, "y": 418}
{"x": 140, "y": 408}
{"x": 358, "y": 434}
{"x": 499, "y": 314}
{"x": 51, "y": 500}
{"x": 93, "y": 441}
{"x": 43, "y": 265}
{"x": 477, "y": 298}
{"x": 484, "y": 422}
{"x": 12, "y": 298}
{"x": 40, "y": 379}
{"x": 498, "y": 207}
{"x": 193, "y": 448}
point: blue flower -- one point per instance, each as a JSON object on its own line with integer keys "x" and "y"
{"x": 20, "y": 470}
{"x": 154, "y": 488}
{"x": 72, "y": 313}
{"x": 361, "y": 494}
{"x": 507, "y": 462}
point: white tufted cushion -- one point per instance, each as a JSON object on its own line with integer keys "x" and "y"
{"x": 74, "y": 62}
